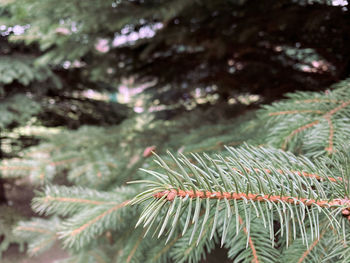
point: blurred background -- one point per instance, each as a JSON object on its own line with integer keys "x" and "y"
{"x": 141, "y": 73}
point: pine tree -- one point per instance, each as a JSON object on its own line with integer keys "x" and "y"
{"x": 221, "y": 46}
{"x": 268, "y": 186}
{"x": 36, "y": 95}
{"x": 261, "y": 203}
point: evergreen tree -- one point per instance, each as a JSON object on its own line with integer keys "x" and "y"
{"x": 270, "y": 185}
{"x": 221, "y": 47}
{"x": 36, "y": 95}
{"x": 261, "y": 203}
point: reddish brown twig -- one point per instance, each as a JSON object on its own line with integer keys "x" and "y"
{"x": 294, "y": 112}
{"x": 98, "y": 218}
{"x": 171, "y": 194}
{"x": 307, "y": 252}
{"x": 328, "y": 115}
{"x": 296, "y": 131}
{"x": 250, "y": 241}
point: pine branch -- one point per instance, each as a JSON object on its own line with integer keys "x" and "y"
{"x": 337, "y": 249}
{"x": 250, "y": 241}
{"x": 170, "y": 195}
{"x": 194, "y": 244}
{"x": 40, "y": 232}
{"x": 79, "y": 230}
{"x": 90, "y": 212}
{"x": 135, "y": 247}
{"x": 308, "y": 251}
{"x": 316, "y": 251}
{"x": 310, "y": 123}
{"x": 38, "y": 170}
{"x": 251, "y": 244}
{"x": 62, "y": 200}
{"x": 224, "y": 181}
{"x": 161, "y": 254}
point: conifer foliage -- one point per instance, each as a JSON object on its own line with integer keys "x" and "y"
{"x": 205, "y": 169}
{"x": 252, "y": 188}
{"x": 261, "y": 203}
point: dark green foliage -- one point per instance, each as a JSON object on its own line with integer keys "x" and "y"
{"x": 251, "y": 189}
{"x": 312, "y": 123}
{"x": 217, "y": 46}
{"x": 11, "y": 114}
{"x": 283, "y": 228}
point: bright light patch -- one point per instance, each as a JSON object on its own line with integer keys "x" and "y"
{"x": 128, "y": 36}
{"x": 339, "y": 2}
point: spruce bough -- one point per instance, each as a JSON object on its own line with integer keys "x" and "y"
{"x": 296, "y": 199}
{"x": 282, "y": 195}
